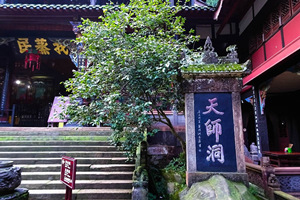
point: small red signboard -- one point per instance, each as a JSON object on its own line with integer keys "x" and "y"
{"x": 68, "y": 171}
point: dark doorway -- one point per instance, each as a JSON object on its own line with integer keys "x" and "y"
{"x": 33, "y": 91}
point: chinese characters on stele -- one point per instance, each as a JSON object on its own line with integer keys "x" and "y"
{"x": 213, "y": 126}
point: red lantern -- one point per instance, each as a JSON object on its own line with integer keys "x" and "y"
{"x": 32, "y": 59}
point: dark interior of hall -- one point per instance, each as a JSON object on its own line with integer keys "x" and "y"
{"x": 31, "y": 92}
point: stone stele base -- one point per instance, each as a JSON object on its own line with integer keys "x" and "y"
{"x": 217, "y": 188}
{"x": 17, "y": 194}
{"x": 194, "y": 177}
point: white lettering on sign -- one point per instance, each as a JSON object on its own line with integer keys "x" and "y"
{"x": 67, "y": 180}
{"x": 199, "y": 130}
{"x": 214, "y": 127}
{"x": 212, "y": 106}
{"x": 67, "y": 172}
{"x": 67, "y": 164}
{"x": 215, "y": 152}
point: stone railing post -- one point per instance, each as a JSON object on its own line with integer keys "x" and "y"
{"x": 271, "y": 183}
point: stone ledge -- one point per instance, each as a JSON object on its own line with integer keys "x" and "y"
{"x": 193, "y": 177}
{"x": 221, "y": 84}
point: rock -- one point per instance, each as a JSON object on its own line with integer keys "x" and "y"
{"x": 170, "y": 187}
{"x": 139, "y": 194}
{"x": 10, "y": 177}
{"x": 5, "y": 164}
{"x": 178, "y": 178}
{"x": 183, "y": 193}
{"x": 17, "y": 194}
{"x": 217, "y": 188}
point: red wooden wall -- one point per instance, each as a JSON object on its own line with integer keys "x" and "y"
{"x": 282, "y": 41}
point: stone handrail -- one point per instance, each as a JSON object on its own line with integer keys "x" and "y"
{"x": 270, "y": 179}
{"x": 140, "y": 174}
{"x": 252, "y": 166}
{"x": 287, "y": 170}
{"x": 255, "y": 174}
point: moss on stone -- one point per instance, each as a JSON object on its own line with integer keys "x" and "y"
{"x": 218, "y": 188}
{"x": 178, "y": 189}
{"x": 229, "y": 67}
{"x": 283, "y": 195}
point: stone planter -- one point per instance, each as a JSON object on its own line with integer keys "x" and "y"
{"x": 10, "y": 177}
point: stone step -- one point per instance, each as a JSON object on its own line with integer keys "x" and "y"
{"x": 80, "y": 160}
{"x": 79, "y": 167}
{"x": 94, "y": 175}
{"x": 53, "y": 154}
{"x": 91, "y": 194}
{"x": 57, "y": 148}
{"x": 54, "y": 143}
{"x": 55, "y": 130}
{"x": 79, "y": 184}
{"x": 55, "y": 134}
{"x": 53, "y": 138}
{"x": 102, "y": 170}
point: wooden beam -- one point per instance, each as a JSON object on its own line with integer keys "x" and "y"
{"x": 228, "y": 16}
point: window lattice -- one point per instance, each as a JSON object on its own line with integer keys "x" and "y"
{"x": 285, "y": 10}
{"x": 267, "y": 28}
{"x": 252, "y": 44}
{"x": 259, "y": 37}
{"x": 295, "y": 2}
{"x": 295, "y": 5}
{"x": 275, "y": 19}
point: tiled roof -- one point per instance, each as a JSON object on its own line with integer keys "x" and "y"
{"x": 198, "y": 8}
{"x": 78, "y": 7}
{"x": 51, "y": 6}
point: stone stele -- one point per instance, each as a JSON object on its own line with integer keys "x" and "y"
{"x": 215, "y": 83}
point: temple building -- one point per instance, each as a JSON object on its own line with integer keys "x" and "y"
{"x": 37, "y": 54}
{"x": 270, "y": 38}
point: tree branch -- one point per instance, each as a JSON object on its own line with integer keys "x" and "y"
{"x": 174, "y": 132}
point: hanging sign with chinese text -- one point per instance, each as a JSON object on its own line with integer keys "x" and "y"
{"x": 215, "y": 144}
{"x": 68, "y": 171}
{"x": 43, "y": 45}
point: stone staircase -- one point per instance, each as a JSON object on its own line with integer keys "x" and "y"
{"x": 102, "y": 171}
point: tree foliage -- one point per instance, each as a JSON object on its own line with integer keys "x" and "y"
{"x": 136, "y": 53}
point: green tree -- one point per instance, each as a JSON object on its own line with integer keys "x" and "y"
{"x": 136, "y": 52}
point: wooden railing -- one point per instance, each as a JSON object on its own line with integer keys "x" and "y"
{"x": 277, "y": 182}
{"x": 255, "y": 174}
